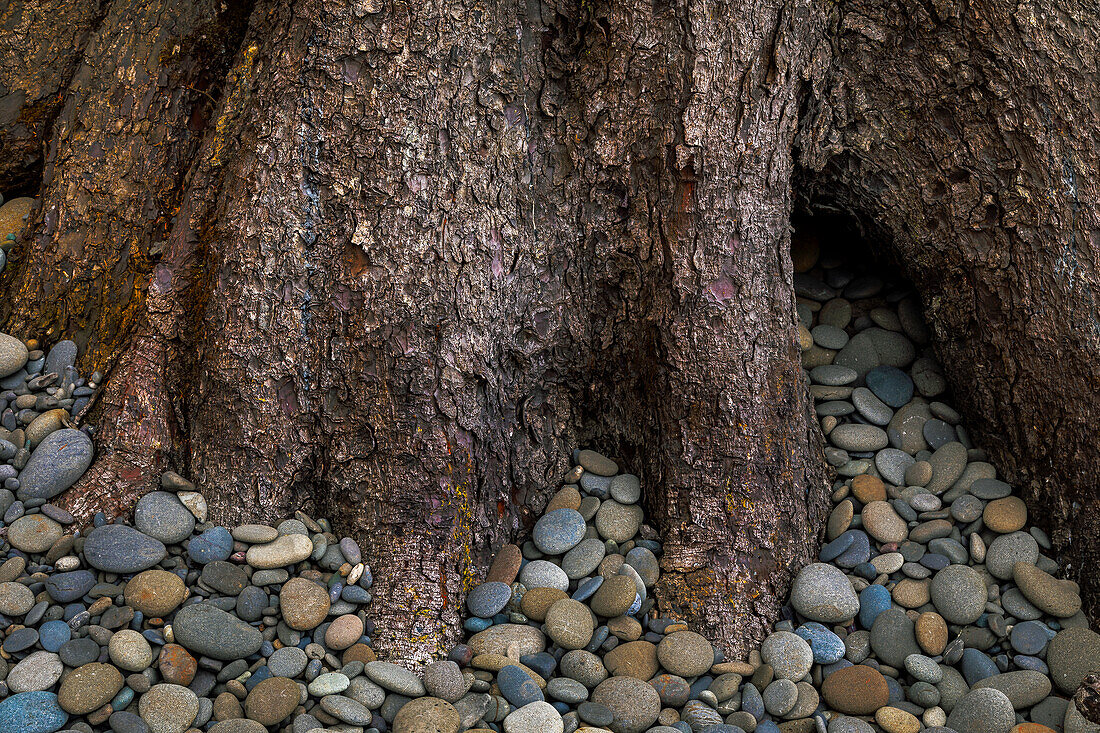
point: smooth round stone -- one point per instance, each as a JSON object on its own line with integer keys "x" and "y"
{"x": 343, "y": 632}
{"x": 888, "y": 563}
{"x": 536, "y": 717}
{"x": 821, "y": 592}
{"x": 918, "y": 474}
{"x": 15, "y": 599}
{"x": 626, "y": 488}
{"x": 346, "y": 709}
{"x": 397, "y": 679}
{"x": 788, "y": 654}
{"x": 893, "y": 637}
{"x": 167, "y": 708}
{"x": 272, "y": 700}
{"x": 570, "y": 624}
{"x": 829, "y": 337}
{"x": 855, "y": 690}
{"x": 868, "y": 488}
{"x": 130, "y": 651}
{"x": 990, "y": 489}
{"x": 213, "y": 544}
{"x": 1008, "y": 549}
{"x": 1005, "y": 515}
{"x": 1030, "y": 637}
{"x": 116, "y": 548}
{"x": 288, "y": 661}
{"x": 948, "y": 463}
{"x": 967, "y": 508}
{"x": 938, "y": 433}
{"x": 685, "y": 653}
{"x": 1071, "y": 655}
{"x": 329, "y": 683}
{"x": 207, "y": 630}
{"x": 924, "y": 502}
{"x": 52, "y": 634}
{"x": 517, "y": 686}
{"x": 857, "y": 553}
{"x": 32, "y": 712}
{"x": 89, "y": 687}
{"x": 255, "y": 533}
{"x": 827, "y": 647}
{"x": 618, "y": 522}
{"x": 959, "y": 594}
{"x": 443, "y": 679}
{"x": 780, "y": 697}
{"x": 614, "y": 597}
{"x": 543, "y": 574}
{"x": 891, "y": 385}
{"x": 70, "y": 586}
{"x": 923, "y": 668}
{"x": 34, "y": 533}
{"x": 161, "y": 515}
{"x": 1023, "y": 688}
{"x": 982, "y": 710}
{"x": 892, "y": 464}
{"x": 488, "y": 599}
{"x": 304, "y": 604}
{"x": 645, "y": 564}
{"x": 156, "y": 593}
{"x": 636, "y": 659}
{"x": 883, "y": 523}
{"x": 597, "y": 463}
{"x": 285, "y": 550}
{"x": 559, "y": 531}
{"x": 38, "y": 671}
{"x": 1059, "y": 598}
{"x": 583, "y": 559}
{"x": 59, "y": 460}
{"x": 857, "y": 437}
{"x": 931, "y": 633}
{"x": 833, "y": 375}
{"x": 634, "y": 703}
{"x": 873, "y": 600}
{"x": 1017, "y": 605}
{"x": 977, "y": 666}
{"x": 78, "y": 652}
{"x": 497, "y": 639}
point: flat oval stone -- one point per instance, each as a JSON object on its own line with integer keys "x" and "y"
{"x": 210, "y": 631}
{"x": 1008, "y": 549}
{"x": 59, "y": 460}
{"x": 272, "y": 700}
{"x": 634, "y": 703}
{"x": 89, "y": 687}
{"x": 156, "y": 593}
{"x": 116, "y": 548}
{"x": 213, "y": 544}
{"x": 70, "y": 586}
{"x": 833, "y": 375}
{"x": 285, "y": 550}
{"x": 891, "y": 385}
{"x": 1072, "y": 654}
{"x": 397, "y": 679}
{"x": 855, "y": 690}
{"x": 892, "y": 464}
{"x": 304, "y": 604}
{"x": 1059, "y": 598}
{"x": 34, "y": 533}
{"x": 959, "y": 594}
{"x": 38, "y": 671}
{"x": 167, "y": 708}
{"x": 982, "y": 711}
{"x": 583, "y": 559}
{"x": 856, "y": 437}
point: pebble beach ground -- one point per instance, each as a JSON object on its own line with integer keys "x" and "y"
{"x": 933, "y": 606}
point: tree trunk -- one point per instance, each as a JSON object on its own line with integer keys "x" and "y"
{"x": 963, "y": 137}
{"x": 414, "y": 255}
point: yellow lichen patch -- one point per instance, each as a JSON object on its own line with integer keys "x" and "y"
{"x": 240, "y": 79}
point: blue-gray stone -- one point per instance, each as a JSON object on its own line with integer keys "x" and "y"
{"x": 873, "y": 600}
{"x": 215, "y": 543}
{"x": 59, "y": 460}
{"x": 857, "y": 553}
{"x": 52, "y": 634}
{"x": 71, "y": 586}
{"x": 116, "y": 548}
{"x": 977, "y": 666}
{"x": 826, "y": 646}
{"x": 559, "y": 531}
{"x": 210, "y": 631}
{"x": 63, "y": 354}
{"x": 1030, "y": 637}
{"x": 517, "y": 687}
{"x": 891, "y": 385}
{"x": 488, "y": 599}
{"x": 32, "y": 712}
{"x": 162, "y": 516}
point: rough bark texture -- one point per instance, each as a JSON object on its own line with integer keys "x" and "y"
{"x": 43, "y": 42}
{"x": 422, "y": 253}
{"x": 963, "y": 136}
{"x": 418, "y": 253}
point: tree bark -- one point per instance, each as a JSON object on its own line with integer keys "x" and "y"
{"x": 962, "y": 136}
{"x": 414, "y": 255}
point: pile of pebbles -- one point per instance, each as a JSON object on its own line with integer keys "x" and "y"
{"x": 933, "y": 607}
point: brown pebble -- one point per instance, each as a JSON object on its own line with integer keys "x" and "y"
{"x": 931, "y": 631}
{"x": 567, "y": 498}
{"x": 868, "y": 488}
{"x": 505, "y": 565}
{"x": 855, "y": 690}
{"x": 1005, "y": 515}
{"x": 537, "y": 601}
